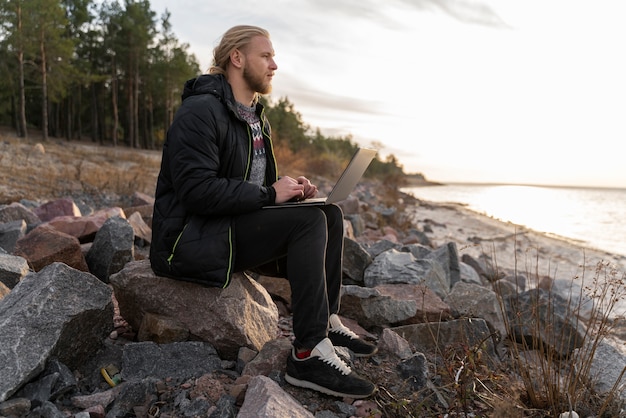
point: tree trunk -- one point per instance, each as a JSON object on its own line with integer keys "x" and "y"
{"x": 69, "y": 117}
{"x": 22, "y": 129}
{"x": 136, "y": 103}
{"x": 44, "y": 87}
{"x": 116, "y": 116}
{"x": 129, "y": 112}
{"x": 95, "y": 128}
{"x": 150, "y": 123}
{"x": 79, "y": 119}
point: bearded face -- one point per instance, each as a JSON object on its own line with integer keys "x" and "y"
{"x": 258, "y": 65}
{"x": 257, "y": 79}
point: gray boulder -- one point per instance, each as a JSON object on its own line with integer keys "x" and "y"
{"x": 469, "y": 275}
{"x": 59, "y": 312}
{"x": 355, "y": 260}
{"x": 264, "y": 398}
{"x": 439, "y": 337}
{"x": 394, "y": 267}
{"x": 16, "y": 211}
{"x": 545, "y": 321}
{"x": 10, "y": 233}
{"x": 12, "y": 269}
{"x": 112, "y": 248}
{"x": 475, "y": 301}
{"x": 393, "y": 304}
{"x": 448, "y": 257}
{"x": 181, "y": 360}
{"x": 606, "y": 367}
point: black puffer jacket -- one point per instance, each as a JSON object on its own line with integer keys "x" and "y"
{"x": 202, "y": 183}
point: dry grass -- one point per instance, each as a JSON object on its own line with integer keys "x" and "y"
{"x": 555, "y": 383}
{"x": 33, "y": 170}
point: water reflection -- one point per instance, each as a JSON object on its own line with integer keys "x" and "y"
{"x": 545, "y": 209}
{"x": 588, "y": 215}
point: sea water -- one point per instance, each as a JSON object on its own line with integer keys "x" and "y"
{"x": 594, "y": 216}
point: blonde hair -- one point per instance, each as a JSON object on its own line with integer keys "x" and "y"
{"x": 236, "y": 37}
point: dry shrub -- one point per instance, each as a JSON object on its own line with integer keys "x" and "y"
{"x": 562, "y": 383}
{"x": 290, "y": 163}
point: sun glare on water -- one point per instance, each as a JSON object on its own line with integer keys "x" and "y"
{"x": 529, "y": 205}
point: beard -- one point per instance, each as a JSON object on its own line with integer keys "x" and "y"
{"x": 256, "y": 82}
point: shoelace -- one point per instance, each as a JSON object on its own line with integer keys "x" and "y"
{"x": 338, "y": 327}
{"x": 334, "y": 361}
{"x": 343, "y": 330}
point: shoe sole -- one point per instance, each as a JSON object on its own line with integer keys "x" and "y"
{"x": 362, "y": 355}
{"x": 310, "y": 385}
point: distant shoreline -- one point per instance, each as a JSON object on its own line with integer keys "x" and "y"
{"x": 514, "y": 246}
{"x": 416, "y": 182}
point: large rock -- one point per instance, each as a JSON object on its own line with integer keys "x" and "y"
{"x": 181, "y": 360}
{"x": 393, "y": 304}
{"x": 544, "y": 320}
{"x": 143, "y": 232}
{"x": 242, "y": 315}
{"x": 59, "y": 312}
{"x": 112, "y": 248}
{"x": 12, "y": 269}
{"x": 45, "y": 245}
{"x": 606, "y": 367}
{"x": 394, "y": 267}
{"x": 85, "y": 227}
{"x": 54, "y": 208}
{"x": 355, "y": 260}
{"x": 272, "y": 357}
{"x": 448, "y": 257}
{"x": 475, "y": 301}
{"x": 10, "y": 233}
{"x": 264, "y": 398}
{"x": 459, "y": 334}
{"x": 15, "y": 212}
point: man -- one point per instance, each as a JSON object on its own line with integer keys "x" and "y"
{"x": 217, "y": 173}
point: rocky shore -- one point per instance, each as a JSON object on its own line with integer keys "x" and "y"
{"x": 508, "y": 244}
{"x": 450, "y": 298}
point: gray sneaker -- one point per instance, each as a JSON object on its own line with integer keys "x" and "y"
{"x": 325, "y": 372}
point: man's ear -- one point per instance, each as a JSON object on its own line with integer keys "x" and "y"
{"x": 237, "y": 58}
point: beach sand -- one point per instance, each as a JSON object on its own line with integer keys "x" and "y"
{"x": 511, "y": 246}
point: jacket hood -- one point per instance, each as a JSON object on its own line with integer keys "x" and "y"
{"x": 214, "y": 84}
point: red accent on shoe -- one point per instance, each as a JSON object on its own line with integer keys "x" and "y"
{"x": 304, "y": 354}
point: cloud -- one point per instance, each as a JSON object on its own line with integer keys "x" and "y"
{"x": 465, "y": 11}
{"x": 305, "y": 94}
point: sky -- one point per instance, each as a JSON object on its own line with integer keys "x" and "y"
{"x": 492, "y": 91}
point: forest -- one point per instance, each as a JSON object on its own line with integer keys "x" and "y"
{"x": 111, "y": 72}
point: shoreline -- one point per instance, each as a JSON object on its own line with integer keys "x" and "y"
{"x": 510, "y": 246}
{"x": 583, "y": 215}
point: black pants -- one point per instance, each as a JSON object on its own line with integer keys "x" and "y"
{"x": 308, "y": 240}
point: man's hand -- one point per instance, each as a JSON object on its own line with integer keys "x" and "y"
{"x": 310, "y": 190}
{"x": 288, "y": 188}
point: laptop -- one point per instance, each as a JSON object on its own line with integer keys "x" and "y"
{"x": 344, "y": 186}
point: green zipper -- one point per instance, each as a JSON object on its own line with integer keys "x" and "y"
{"x": 230, "y": 257}
{"x": 249, "y": 161}
{"x": 169, "y": 259}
